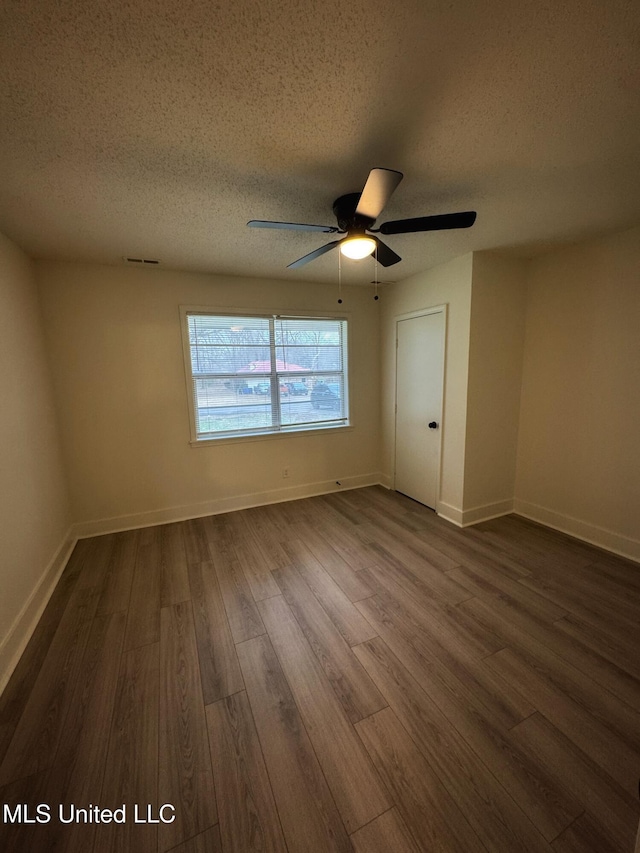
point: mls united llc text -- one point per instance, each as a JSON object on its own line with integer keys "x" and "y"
{"x": 44, "y": 813}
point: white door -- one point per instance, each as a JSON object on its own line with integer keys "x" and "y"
{"x": 419, "y": 379}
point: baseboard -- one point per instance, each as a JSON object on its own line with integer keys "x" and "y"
{"x": 486, "y": 512}
{"x": 468, "y": 517}
{"x": 449, "y": 513}
{"x": 215, "y": 507}
{"x": 591, "y": 533}
{"x": 15, "y": 642}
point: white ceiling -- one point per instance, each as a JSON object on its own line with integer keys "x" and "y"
{"x": 157, "y": 129}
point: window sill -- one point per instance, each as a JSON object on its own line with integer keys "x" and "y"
{"x": 267, "y": 436}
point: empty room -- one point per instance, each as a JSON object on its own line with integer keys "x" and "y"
{"x": 319, "y": 407}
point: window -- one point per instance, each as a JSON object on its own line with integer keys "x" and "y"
{"x": 253, "y": 375}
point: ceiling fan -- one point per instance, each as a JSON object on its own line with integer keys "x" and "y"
{"x": 356, "y": 214}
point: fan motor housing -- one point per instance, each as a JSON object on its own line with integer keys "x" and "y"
{"x": 344, "y": 209}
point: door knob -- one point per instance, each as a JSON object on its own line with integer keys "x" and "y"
{"x": 433, "y": 425}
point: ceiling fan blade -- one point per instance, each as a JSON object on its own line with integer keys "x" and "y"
{"x": 313, "y": 255}
{"x": 291, "y": 226}
{"x": 429, "y": 223}
{"x": 386, "y": 256}
{"x": 377, "y": 191}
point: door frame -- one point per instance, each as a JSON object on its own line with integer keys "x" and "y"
{"x": 410, "y": 315}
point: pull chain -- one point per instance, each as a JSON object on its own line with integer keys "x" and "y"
{"x": 339, "y": 277}
{"x": 375, "y": 275}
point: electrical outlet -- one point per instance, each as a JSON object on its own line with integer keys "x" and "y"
{"x": 285, "y": 473}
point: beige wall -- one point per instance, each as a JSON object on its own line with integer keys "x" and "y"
{"x": 447, "y": 284}
{"x": 33, "y": 497}
{"x": 498, "y": 305}
{"x": 579, "y": 445}
{"x": 115, "y": 346}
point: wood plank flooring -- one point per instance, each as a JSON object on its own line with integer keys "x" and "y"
{"x": 341, "y": 673}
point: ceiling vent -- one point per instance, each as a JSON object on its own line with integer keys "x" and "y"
{"x": 141, "y": 261}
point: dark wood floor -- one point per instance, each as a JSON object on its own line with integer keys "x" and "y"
{"x": 342, "y": 673}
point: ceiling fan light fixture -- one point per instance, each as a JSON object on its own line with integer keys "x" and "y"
{"x": 357, "y": 212}
{"x": 357, "y": 248}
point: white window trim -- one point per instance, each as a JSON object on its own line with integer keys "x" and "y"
{"x": 262, "y": 435}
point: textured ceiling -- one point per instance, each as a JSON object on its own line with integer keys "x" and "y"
{"x": 158, "y": 129}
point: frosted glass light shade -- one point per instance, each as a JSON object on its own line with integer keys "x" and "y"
{"x": 357, "y": 248}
